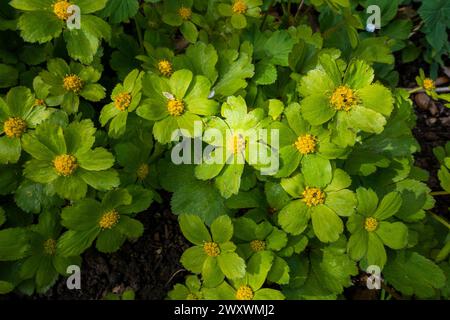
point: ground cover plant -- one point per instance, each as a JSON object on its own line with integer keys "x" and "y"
{"x": 279, "y": 135}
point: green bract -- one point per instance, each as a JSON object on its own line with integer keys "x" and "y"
{"x": 235, "y": 146}
{"x": 63, "y": 157}
{"x": 214, "y": 254}
{"x": 107, "y": 221}
{"x": 347, "y": 101}
{"x": 126, "y": 99}
{"x": 18, "y": 114}
{"x": 175, "y": 103}
{"x": 238, "y": 10}
{"x": 44, "y": 20}
{"x": 319, "y": 195}
{"x": 44, "y": 263}
{"x": 370, "y": 232}
{"x": 68, "y": 82}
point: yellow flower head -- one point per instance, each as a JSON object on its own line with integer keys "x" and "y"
{"x": 165, "y": 68}
{"x": 239, "y": 6}
{"x": 244, "y": 293}
{"x": 306, "y": 144}
{"x": 343, "y": 98}
{"x": 14, "y": 127}
{"x": 313, "y": 196}
{"x": 109, "y": 219}
{"x": 257, "y": 245}
{"x": 211, "y": 248}
{"x": 370, "y": 224}
{"x": 142, "y": 171}
{"x": 185, "y": 13}
{"x": 73, "y": 83}
{"x": 122, "y": 101}
{"x": 175, "y": 107}
{"x": 65, "y": 165}
{"x": 50, "y": 247}
{"x": 60, "y": 9}
{"x": 39, "y": 102}
{"x": 237, "y": 143}
{"x": 429, "y": 84}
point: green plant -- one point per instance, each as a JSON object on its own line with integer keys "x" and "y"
{"x": 90, "y": 120}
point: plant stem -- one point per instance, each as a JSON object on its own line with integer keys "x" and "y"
{"x": 439, "y": 193}
{"x": 440, "y": 219}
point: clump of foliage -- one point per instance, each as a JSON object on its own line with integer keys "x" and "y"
{"x": 87, "y": 117}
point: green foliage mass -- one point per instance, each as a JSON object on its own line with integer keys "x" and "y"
{"x": 87, "y": 117}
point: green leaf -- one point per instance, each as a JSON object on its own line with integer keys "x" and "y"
{"x": 268, "y": 294}
{"x": 376, "y": 254}
{"x": 193, "y": 229}
{"x": 294, "y": 217}
{"x": 317, "y": 171}
{"x": 316, "y": 109}
{"x": 73, "y": 243}
{"x": 72, "y": 188}
{"x": 211, "y": 272}
{"x": 189, "y": 31}
{"x": 238, "y": 21}
{"x": 101, "y": 180}
{"x": 229, "y": 181}
{"x": 357, "y": 244}
{"x": 412, "y": 274}
{"x": 10, "y": 150}
{"x": 129, "y": 227}
{"x": 96, "y": 160}
{"x": 234, "y": 68}
{"x": 120, "y": 10}
{"x": 8, "y": 76}
{"x": 366, "y": 120}
{"x": 81, "y": 45}
{"x": 388, "y": 206}
{"x": 39, "y": 26}
{"x": 109, "y": 241}
{"x": 222, "y": 229}
{"x": 358, "y": 74}
{"x": 377, "y": 98}
{"x": 208, "y": 205}
{"x": 258, "y": 268}
{"x": 279, "y": 273}
{"x": 367, "y": 201}
{"x": 343, "y": 202}
{"x": 193, "y": 259}
{"x": 265, "y": 73}
{"x": 232, "y": 266}
{"x": 435, "y": 16}
{"x": 88, "y": 6}
{"x": 326, "y": 224}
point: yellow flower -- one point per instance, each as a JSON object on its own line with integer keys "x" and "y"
{"x": 14, "y": 127}
{"x": 60, "y": 9}
{"x": 306, "y": 144}
{"x": 370, "y": 224}
{"x": 165, "y": 68}
{"x": 257, "y": 245}
{"x": 429, "y": 84}
{"x": 244, "y": 293}
{"x": 142, "y": 171}
{"x": 50, "y": 247}
{"x": 343, "y": 98}
{"x": 39, "y": 102}
{"x": 211, "y": 248}
{"x": 109, "y": 219}
{"x": 239, "y": 6}
{"x": 122, "y": 101}
{"x": 65, "y": 165}
{"x": 185, "y": 13}
{"x": 72, "y": 83}
{"x": 175, "y": 107}
{"x": 313, "y": 196}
